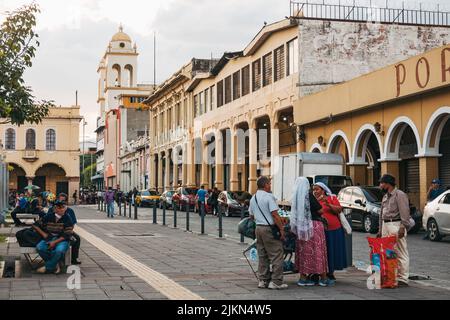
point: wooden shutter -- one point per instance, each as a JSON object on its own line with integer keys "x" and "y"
{"x": 228, "y": 89}
{"x": 279, "y": 63}
{"x": 245, "y": 80}
{"x": 256, "y": 73}
{"x": 236, "y": 85}
{"x": 219, "y": 93}
{"x": 267, "y": 69}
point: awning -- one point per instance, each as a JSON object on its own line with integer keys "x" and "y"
{"x": 97, "y": 177}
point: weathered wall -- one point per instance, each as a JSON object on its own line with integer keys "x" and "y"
{"x": 335, "y": 51}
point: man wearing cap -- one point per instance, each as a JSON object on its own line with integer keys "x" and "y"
{"x": 395, "y": 220}
{"x": 75, "y": 240}
{"x": 56, "y": 229}
{"x": 435, "y": 190}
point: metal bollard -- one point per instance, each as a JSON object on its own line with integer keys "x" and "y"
{"x": 98, "y": 205}
{"x": 120, "y": 208}
{"x": 155, "y": 217}
{"x": 187, "y": 216}
{"x": 242, "y": 218}
{"x": 125, "y": 208}
{"x": 135, "y": 211}
{"x": 129, "y": 210}
{"x": 164, "y": 213}
{"x": 174, "y": 205}
{"x": 219, "y": 214}
{"x": 202, "y": 217}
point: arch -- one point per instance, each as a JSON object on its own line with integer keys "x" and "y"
{"x": 362, "y": 140}
{"x": 10, "y": 139}
{"x": 117, "y": 76}
{"x": 50, "y": 164}
{"x": 50, "y": 140}
{"x": 129, "y": 75}
{"x": 30, "y": 139}
{"x": 433, "y": 131}
{"x": 335, "y": 142}
{"x": 316, "y": 148}
{"x": 392, "y": 143}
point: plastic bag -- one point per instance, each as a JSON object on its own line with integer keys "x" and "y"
{"x": 382, "y": 255}
{"x": 247, "y": 227}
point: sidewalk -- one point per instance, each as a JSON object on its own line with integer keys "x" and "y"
{"x": 115, "y": 250}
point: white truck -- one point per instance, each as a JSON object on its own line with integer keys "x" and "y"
{"x": 317, "y": 167}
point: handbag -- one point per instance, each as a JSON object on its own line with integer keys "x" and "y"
{"x": 275, "y": 230}
{"x": 345, "y": 224}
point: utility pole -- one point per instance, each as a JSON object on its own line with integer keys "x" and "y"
{"x": 84, "y": 152}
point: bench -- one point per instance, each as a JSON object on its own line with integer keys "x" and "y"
{"x": 32, "y": 256}
{"x": 28, "y": 216}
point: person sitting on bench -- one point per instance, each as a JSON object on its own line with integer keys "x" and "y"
{"x": 56, "y": 229}
{"x": 75, "y": 241}
{"x": 21, "y": 207}
{"x": 27, "y": 205}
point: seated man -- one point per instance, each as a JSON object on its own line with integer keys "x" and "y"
{"x": 56, "y": 229}
{"x": 75, "y": 239}
{"x": 21, "y": 207}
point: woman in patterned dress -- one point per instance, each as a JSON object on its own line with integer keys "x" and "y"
{"x": 308, "y": 226}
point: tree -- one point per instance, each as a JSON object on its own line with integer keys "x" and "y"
{"x": 18, "y": 44}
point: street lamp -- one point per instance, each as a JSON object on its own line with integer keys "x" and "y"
{"x": 84, "y": 151}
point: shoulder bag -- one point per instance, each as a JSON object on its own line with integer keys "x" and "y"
{"x": 275, "y": 230}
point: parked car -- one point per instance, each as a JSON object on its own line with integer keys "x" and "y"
{"x": 436, "y": 217}
{"x": 146, "y": 198}
{"x": 231, "y": 203}
{"x": 166, "y": 198}
{"x": 184, "y": 196}
{"x": 363, "y": 204}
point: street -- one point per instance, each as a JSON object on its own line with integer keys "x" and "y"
{"x": 427, "y": 259}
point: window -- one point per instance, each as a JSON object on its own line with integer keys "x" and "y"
{"x": 207, "y": 100}
{"x": 50, "y": 140}
{"x": 177, "y": 114}
{"x": 292, "y": 66}
{"x": 358, "y": 195}
{"x": 201, "y": 102}
{"x": 245, "y": 80}
{"x": 279, "y": 63}
{"x": 30, "y": 140}
{"x": 236, "y": 85}
{"x": 267, "y": 69}
{"x": 212, "y": 98}
{"x": 196, "y": 109}
{"x": 10, "y": 139}
{"x": 219, "y": 93}
{"x": 228, "y": 89}
{"x": 256, "y": 75}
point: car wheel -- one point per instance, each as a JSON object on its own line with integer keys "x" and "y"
{"x": 433, "y": 230}
{"x": 368, "y": 224}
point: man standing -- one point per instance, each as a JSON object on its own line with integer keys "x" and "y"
{"x": 75, "y": 196}
{"x": 109, "y": 200}
{"x": 214, "y": 201}
{"x": 201, "y": 198}
{"x": 264, "y": 209}
{"x": 56, "y": 229}
{"x": 435, "y": 190}
{"x": 395, "y": 220}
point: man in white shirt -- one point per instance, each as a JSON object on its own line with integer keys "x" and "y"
{"x": 264, "y": 209}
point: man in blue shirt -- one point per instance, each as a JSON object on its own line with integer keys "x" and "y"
{"x": 435, "y": 190}
{"x": 201, "y": 198}
{"x": 75, "y": 239}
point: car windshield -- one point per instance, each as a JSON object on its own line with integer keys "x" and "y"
{"x": 241, "y": 195}
{"x": 153, "y": 193}
{"x": 169, "y": 193}
{"x": 373, "y": 194}
{"x": 145, "y": 193}
{"x": 189, "y": 191}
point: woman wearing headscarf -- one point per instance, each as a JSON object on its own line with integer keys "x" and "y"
{"x": 335, "y": 236}
{"x": 306, "y": 224}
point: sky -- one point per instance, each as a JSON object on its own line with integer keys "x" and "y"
{"x": 74, "y": 35}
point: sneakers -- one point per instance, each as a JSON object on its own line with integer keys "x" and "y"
{"x": 305, "y": 283}
{"x": 327, "y": 282}
{"x": 43, "y": 270}
{"x": 274, "y": 286}
{"x": 402, "y": 284}
{"x": 262, "y": 285}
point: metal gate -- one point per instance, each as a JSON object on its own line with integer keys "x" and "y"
{"x": 444, "y": 162}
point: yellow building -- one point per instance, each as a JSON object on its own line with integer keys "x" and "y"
{"x": 45, "y": 154}
{"x": 244, "y": 111}
{"x": 393, "y": 120}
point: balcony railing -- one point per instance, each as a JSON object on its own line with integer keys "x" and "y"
{"x": 30, "y": 155}
{"x": 307, "y": 10}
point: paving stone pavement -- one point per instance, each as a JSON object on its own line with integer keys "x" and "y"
{"x": 210, "y": 267}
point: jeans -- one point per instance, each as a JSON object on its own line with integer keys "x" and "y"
{"x": 110, "y": 209}
{"x": 75, "y": 241}
{"x": 52, "y": 257}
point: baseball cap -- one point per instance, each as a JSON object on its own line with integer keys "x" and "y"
{"x": 436, "y": 181}
{"x": 60, "y": 203}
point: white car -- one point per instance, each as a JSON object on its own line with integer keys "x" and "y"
{"x": 436, "y": 217}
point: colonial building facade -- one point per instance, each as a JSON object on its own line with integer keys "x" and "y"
{"x": 45, "y": 154}
{"x": 394, "y": 120}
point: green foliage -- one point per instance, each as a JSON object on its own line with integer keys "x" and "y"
{"x": 18, "y": 44}
{"x": 87, "y": 174}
